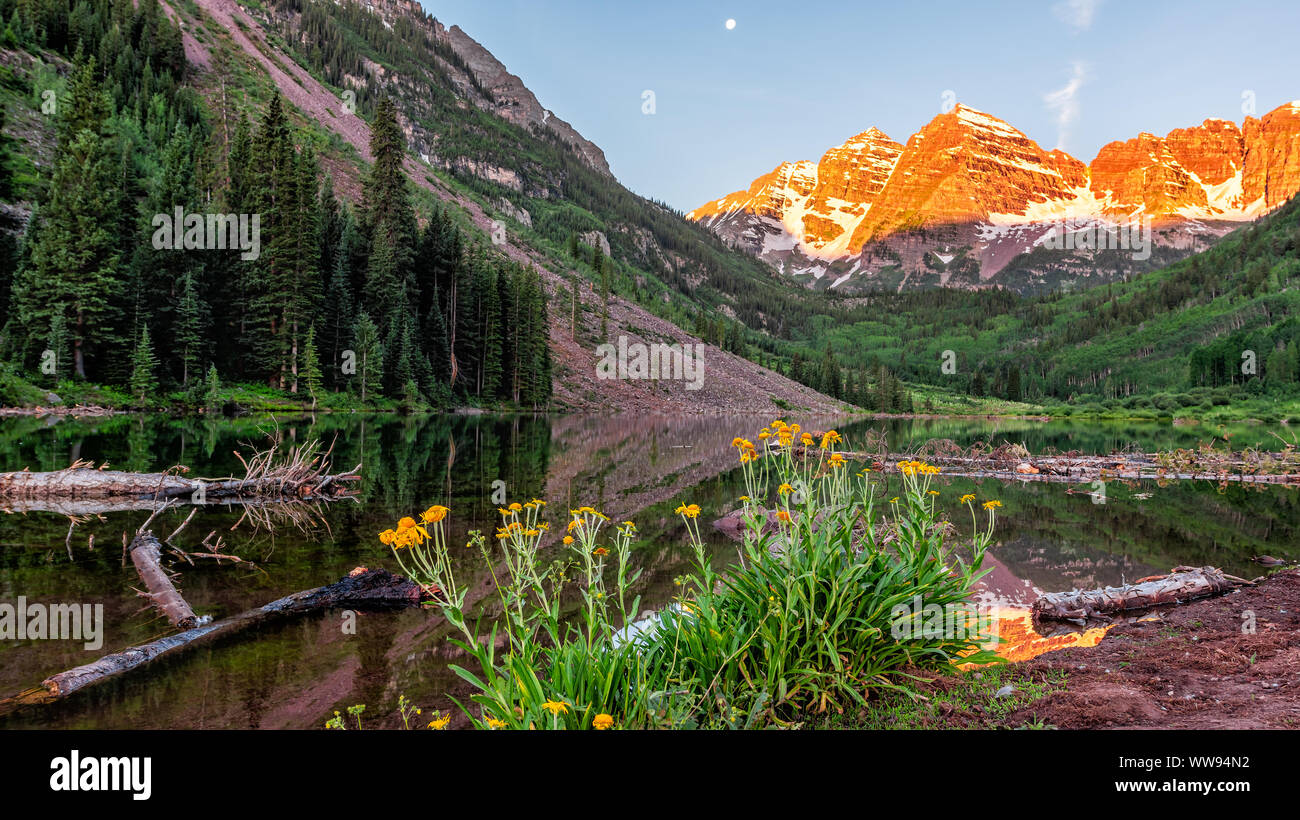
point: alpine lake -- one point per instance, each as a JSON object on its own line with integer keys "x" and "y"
{"x": 296, "y": 672}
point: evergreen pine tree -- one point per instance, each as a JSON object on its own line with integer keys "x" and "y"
{"x": 311, "y": 374}
{"x": 191, "y": 328}
{"x": 73, "y": 263}
{"x": 143, "y": 364}
{"x": 212, "y": 390}
{"x": 369, "y": 357}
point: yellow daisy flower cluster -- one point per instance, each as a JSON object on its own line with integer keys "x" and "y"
{"x": 425, "y": 543}
{"x": 688, "y": 510}
{"x": 509, "y": 529}
{"x": 747, "y": 450}
{"x": 581, "y": 511}
{"x": 917, "y": 468}
{"x": 785, "y": 433}
{"x": 440, "y": 722}
{"x": 409, "y": 533}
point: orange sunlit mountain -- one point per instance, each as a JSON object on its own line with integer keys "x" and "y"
{"x": 969, "y": 193}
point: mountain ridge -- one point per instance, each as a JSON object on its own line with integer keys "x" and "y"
{"x": 972, "y": 179}
{"x": 734, "y": 383}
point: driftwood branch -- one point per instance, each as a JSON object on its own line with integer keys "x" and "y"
{"x": 146, "y": 554}
{"x": 1181, "y": 584}
{"x": 361, "y": 589}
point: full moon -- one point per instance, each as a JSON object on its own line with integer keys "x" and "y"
{"x": 731, "y": 24}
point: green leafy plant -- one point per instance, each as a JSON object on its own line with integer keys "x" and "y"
{"x": 821, "y": 608}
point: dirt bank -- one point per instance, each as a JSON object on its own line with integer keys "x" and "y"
{"x": 1197, "y": 667}
{"x": 1190, "y": 667}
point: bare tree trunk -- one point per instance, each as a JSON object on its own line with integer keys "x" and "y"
{"x": 78, "y": 355}
{"x": 1181, "y": 584}
{"x": 146, "y": 554}
{"x": 293, "y": 358}
{"x": 362, "y": 589}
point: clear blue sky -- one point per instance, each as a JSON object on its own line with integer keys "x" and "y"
{"x": 794, "y": 78}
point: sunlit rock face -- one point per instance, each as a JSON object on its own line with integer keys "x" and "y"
{"x": 970, "y": 179}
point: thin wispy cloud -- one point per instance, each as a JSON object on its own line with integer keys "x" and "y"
{"x": 1077, "y": 14}
{"x": 1064, "y": 102}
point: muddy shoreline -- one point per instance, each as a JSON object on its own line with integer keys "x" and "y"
{"x": 1193, "y": 666}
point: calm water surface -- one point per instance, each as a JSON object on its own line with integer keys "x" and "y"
{"x": 294, "y": 674}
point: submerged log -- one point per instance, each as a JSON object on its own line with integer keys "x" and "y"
{"x": 1181, "y": 584}
{"x": 146, "y": 554}
{"x": 361, "y": 589}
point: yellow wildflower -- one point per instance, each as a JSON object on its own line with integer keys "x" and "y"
{"x": 602, "y": 722}
{"x": 434, "y": 514}
{"x": 988, "y": 505}
{"x": 556, "y": 707}
{"x": 688, "y": 510}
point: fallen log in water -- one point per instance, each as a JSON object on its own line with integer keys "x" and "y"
{"x": 1018, "y": 465}
{"x": 146, "y": 554}
{"x": 361, "y": 589}
{"x": 297, "y": 474}
{"x": 88, "y": 483}
{"x": 1181, "y": 584}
